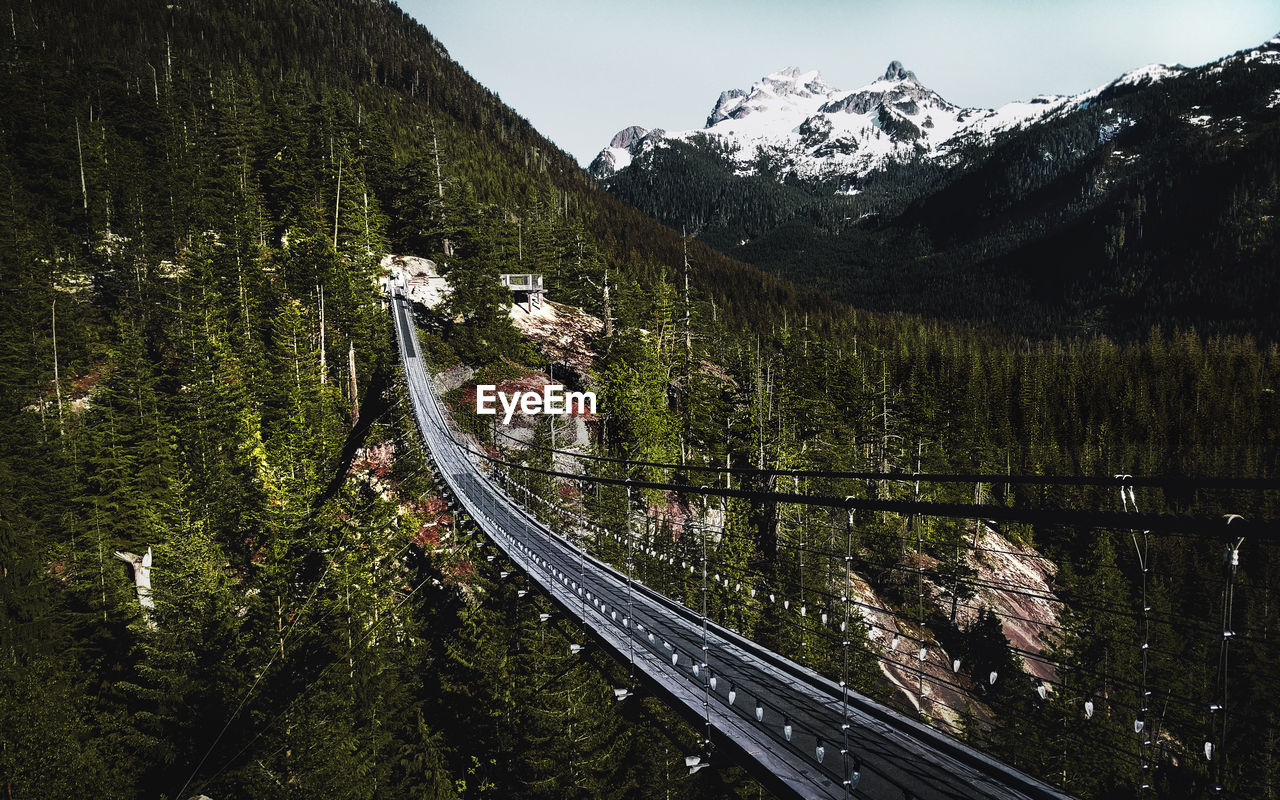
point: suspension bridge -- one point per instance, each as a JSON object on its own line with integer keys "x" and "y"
{"x": 794, "y": 730}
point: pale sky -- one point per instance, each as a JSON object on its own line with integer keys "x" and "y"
{"x": 581, "y": 70}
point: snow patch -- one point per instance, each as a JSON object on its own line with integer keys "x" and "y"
{"x": 1152, "y": 73}
{"x": 1263, "y": 56}
{"x": 619, "y": 158}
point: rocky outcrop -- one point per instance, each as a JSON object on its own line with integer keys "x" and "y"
{"x": 899, "y": 128}
{"x": 903, "y": 93}
{"x": 897, "y": 72}
{"x": 419, "y": 276}
{"x": 604, "y": 164}
{"x": 729, "y": 101}
{"x": 625, "y": 145}
{"x": 628, "y": 137}
{"x": 940, "y": 685}
{"x": 791, "y": 81}
{"x": 928, "y": 684}
{"x": 780, "y": 88}
{"x": 563, "y": 335}
{"x": 814, "y": 131}
{"x": 1029, "y": 613}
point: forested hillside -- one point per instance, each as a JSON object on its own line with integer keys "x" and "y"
{"x": 195, "y": 201}
{"x": 196, "y": 367}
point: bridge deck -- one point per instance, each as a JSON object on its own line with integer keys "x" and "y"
{"x": 899, "y": 757}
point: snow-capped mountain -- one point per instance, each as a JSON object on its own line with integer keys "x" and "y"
{"x": 1153, "y": 194}
{"x": 819, "y": 129}
{"x": 811, "y": 129}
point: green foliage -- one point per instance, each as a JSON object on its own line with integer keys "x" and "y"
{"x": 634, "y": 388}
{"x": 245, "y": 169}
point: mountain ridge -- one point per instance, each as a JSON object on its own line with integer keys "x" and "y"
{"x": 1038, "y": 217}
{"x": 823, "y": 144}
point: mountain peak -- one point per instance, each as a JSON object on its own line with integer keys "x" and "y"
{"x": 785, "y": 72}
{"x": 787, "y": 88}
{"x": 897, "y": 72}
{"x": 628, "y": 136}
{"x": 790, "y": 80}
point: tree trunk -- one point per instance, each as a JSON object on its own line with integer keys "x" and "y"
{"x": 323, "y": 367}
{"x": 57, "y": 382}
{"x": 337, "y": 198}
{"x": 688, "y": 314}
{"x": 84, "y": 190}
{"x": 355, "y": 399}
{"x": 435, "y": 147}
{"x": 141, "y": 566}
{"x": 608, "y": 311}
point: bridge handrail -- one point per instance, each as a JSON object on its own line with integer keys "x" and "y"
{"x": 447, "y": 434}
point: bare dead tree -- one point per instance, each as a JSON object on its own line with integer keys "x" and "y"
{"x": 141, "y": 566}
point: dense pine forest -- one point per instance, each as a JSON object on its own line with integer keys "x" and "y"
{"x": 197, "y": 369}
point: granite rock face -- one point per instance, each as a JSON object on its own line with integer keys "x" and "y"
{"x": 730, "y": 100}
{"x": 628, "y": 137}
